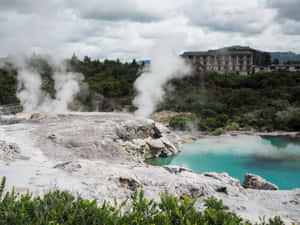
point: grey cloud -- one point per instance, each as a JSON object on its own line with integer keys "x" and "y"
{"x": 29, "y": 6}
{"x": 287, "y": 9}
{"x": 244, "y": 21}
{"x": 288, "y": 16}
{"x": 114, "y": 10}
{"x": 15, "y": 5}
{"x": 116, "y": 15}
{"x": 291, "y": 27}
{"x": 3, "y": 19}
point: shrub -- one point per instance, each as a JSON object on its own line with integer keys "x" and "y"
{"x": 233, "y": 126}
{"x": 208, "y": 113}
{"x": 288, "y": 122}
{"x": 212, "y": 122}
{"x": 61, "y": 207}
{"x": 218, "y": 132}
{"x": 183, "y": 122}
{"x": 202, "y": 126}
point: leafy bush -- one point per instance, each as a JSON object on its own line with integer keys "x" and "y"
{"x": 218, "y": 131}
{"x": 288, "y": 122}
{"x": 233, "y": 126}
{"x": 61, "y": 207}
{"x": 183, "y": 122}
{"x": 213, "y": 123}
{"x": 217, "y": 122}
{"x": 202, "y": 126}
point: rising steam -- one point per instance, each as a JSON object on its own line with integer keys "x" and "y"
{"x": 33, "y": 99}
{"x": 29, "y": 82}
{"x": 165, "y": 65}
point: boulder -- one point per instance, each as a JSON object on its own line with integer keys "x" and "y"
{"x": 253, "y": 181}
{"x": 176, "y": 169}
{"x": 155, "y": 143}
{"x": 10, "y": 151}
{"x": 136, "y": 129}
{"x": 223, "y": 177}
{"x": 129, "y": 183}
{"x": 145, "y": 138}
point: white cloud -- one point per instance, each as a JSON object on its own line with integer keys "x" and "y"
{"x": 234, "y": 16}
{"x": 127, "y": 29}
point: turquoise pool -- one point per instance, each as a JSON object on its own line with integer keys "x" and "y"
{"x": 276, "y": 159}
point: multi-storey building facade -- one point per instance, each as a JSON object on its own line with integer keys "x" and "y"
{"x": 242, "y": 61}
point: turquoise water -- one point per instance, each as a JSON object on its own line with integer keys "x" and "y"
{"x": 276, "y": 159}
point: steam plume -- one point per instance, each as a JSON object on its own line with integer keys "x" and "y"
{"x": 165, "y": 65}
{"x": 66, "y": 86}
{"x": 32, "y": 98}
{"x": 29, "y": 82}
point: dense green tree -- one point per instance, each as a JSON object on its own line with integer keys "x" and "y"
{"x": 275, "y": 61}
{"x": 253, "y": 100}
{"x": 8, "y": 86}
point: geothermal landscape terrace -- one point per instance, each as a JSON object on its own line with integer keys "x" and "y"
{"x": 101, "y": 155}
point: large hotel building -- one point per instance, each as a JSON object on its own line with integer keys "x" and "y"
{"x": 243, "y": 60}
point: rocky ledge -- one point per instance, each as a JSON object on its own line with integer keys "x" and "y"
{"x": 101, "y": 155}
{"x": 256, "y": 182}
{"x": 112, "y": 136}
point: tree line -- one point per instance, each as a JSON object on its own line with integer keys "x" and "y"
{"x": 265, "y": 101}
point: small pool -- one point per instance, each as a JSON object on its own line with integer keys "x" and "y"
{"x": 276, "y": 159}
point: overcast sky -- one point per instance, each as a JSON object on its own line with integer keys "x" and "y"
{"x": 127, "y": 29}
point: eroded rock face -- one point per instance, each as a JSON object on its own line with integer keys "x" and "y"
{"x": 10, "y": 152}
{"x": 147, "y": 139}
{"x": 176, "y": 169}
{"x": 256, "y": 182}
{"x": 110, "y": 136}
{"x": 223, "y": 177}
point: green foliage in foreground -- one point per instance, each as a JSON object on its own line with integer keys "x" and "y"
{"x": 61, "y": 207}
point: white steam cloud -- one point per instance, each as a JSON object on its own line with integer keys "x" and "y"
{"x": 29, "y": 82}
{"x": 34, "y": 99}
{"x": 66, "y": 86}
{"x": 165, "y": 65}
{"x": 241, "y": 145}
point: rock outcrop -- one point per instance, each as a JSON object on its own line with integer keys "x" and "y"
{"x": 147, "y": 139}
{"x": 10, "y": 152}
{"x": 176, "y": 169}
{"x": 256, "y": 182}
{"x": 111, "y": 136}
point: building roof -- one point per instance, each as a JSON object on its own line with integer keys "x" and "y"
{"x": 214, "y": 53}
